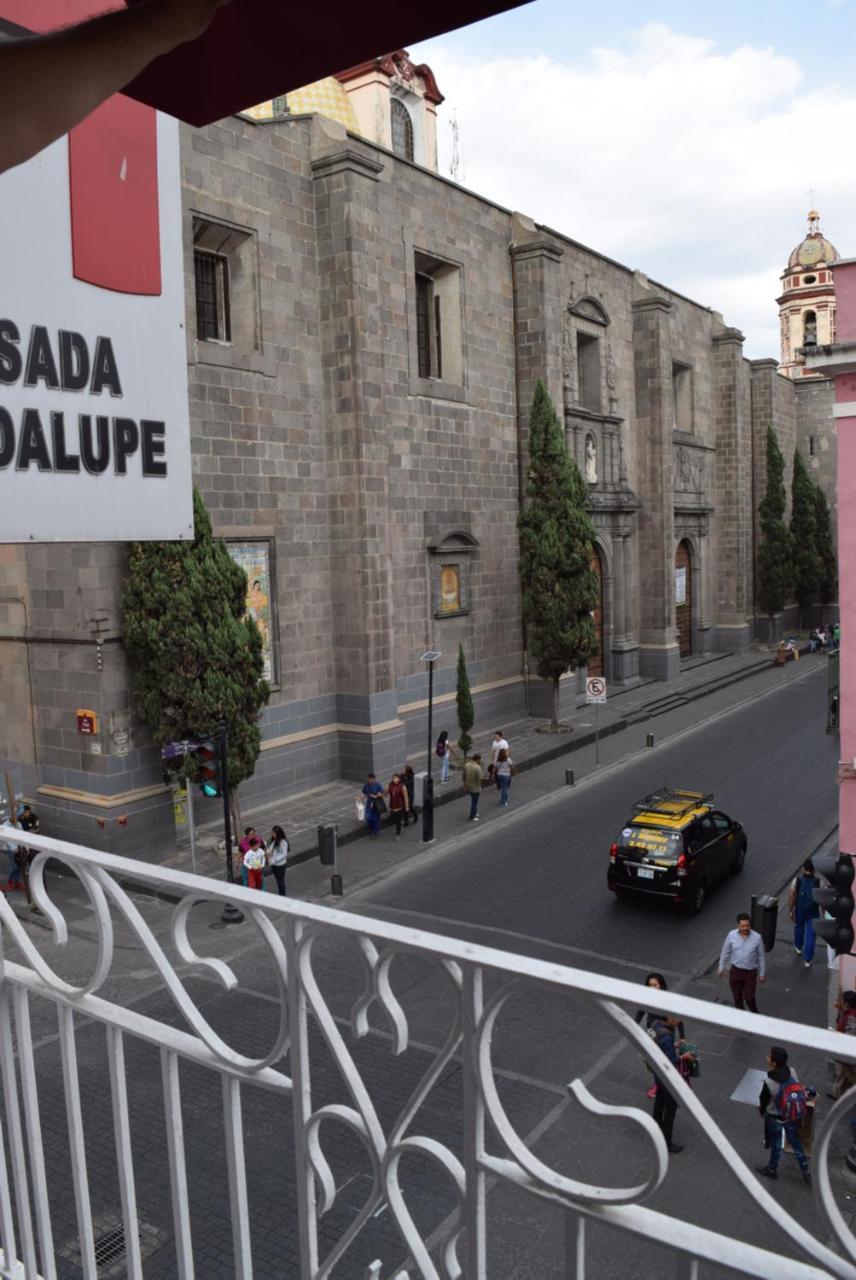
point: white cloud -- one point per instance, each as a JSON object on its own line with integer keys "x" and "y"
{"x": 686, "y": 161}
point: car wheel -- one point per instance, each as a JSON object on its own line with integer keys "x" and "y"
{"x": 739, "y": 860}
{"x": 622, "y": 895}
{"x": 697, "y": 899}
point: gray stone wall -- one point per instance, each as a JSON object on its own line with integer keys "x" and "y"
{"x": 732, "y": 493}
{"x": 815, "y": 433}
{"x": 315, "y": 429}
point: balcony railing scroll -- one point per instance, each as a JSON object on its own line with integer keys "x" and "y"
{"x": 490, "y": 1152}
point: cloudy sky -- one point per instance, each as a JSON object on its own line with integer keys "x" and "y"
{"x": 680, "y": 138}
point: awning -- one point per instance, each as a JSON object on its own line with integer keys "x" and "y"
{"x": 256, "y": 49}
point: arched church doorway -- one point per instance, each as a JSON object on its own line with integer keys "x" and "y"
{"x": 595, "y": 666}
{"x": 684, "y": 598}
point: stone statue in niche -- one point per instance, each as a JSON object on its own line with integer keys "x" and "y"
{"x": 591, "y": 460}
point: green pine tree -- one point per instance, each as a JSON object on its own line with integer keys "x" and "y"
{"x": 806, "y": 561}
{"x": 195, "y": 655}
{"x": 775, "y": 570}
{"x": 827, "y": 581}
{"x": 559, "y": 587}
{"x": 464, "y": 700}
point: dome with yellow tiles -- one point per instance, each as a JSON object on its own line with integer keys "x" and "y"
{"x": 326, "y": 97}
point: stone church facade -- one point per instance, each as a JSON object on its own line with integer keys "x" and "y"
{"x": 364, "y": 341}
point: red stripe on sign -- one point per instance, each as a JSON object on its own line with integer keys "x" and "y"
{"x": 115, "y": 223}
{"x": 45, "y": 15}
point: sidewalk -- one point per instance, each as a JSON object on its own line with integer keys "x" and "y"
{"x": 618, "y": 722}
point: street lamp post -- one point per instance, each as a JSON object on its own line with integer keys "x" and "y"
{"x": 428, "y": 797}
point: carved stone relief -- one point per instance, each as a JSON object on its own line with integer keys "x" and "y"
{"x": 689, "y": 470}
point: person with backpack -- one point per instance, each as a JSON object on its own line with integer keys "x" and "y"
{"x": 662, "y": 1029}
{"x": 783, "y": 1104}
{"x": 804, "y": 911}
{"x": 444, "y": 751}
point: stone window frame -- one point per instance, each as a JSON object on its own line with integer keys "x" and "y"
{"x": 447, "y": 264}
{"x": 454, "y": 548}
{"x": 589, "y": 364}
{"x": 683, "y": 389}
{"x": 590, "y": 320}
{"x": 216, "y": 234}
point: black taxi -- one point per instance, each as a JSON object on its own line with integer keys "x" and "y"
{"x": 675, "y": 845}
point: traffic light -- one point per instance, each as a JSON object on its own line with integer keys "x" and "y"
{"x": 207, "y": 757}
{"x": 837, "y": 901}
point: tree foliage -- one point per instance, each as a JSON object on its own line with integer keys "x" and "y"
{"x": 775, "y": 570}
{"x": 559, "y": 587}
{"x": 827, "y": 581}
{"x": 195, "y": 655}
{"x": 464, "y": 701}
{"x": 806, "y": 560}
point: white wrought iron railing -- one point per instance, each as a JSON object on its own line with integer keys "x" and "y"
{"x": 490, "y": 1153}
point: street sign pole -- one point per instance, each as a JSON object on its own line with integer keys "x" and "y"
{"x": 231, "y": 914}
{"x": 596, "y": 694}
{"x": 191, "y": 823}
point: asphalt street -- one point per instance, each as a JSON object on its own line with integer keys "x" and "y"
{"x": 531, "y": 880}
{"x": 536, "y": 881}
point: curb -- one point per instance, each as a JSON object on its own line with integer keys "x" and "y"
{"x": 577, "y": 743}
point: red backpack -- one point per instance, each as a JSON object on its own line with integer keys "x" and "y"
{"x": 792, "y": 1101}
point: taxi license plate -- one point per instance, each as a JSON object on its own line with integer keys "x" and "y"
{"x": 645, "y": 873}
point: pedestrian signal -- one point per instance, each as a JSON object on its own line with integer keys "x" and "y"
{"x": 836, "y": 901}
{"x": 207, "y": 757}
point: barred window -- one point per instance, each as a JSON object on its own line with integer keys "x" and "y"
{"x": 211, "y": 273}
{"x": 402, "y": 130}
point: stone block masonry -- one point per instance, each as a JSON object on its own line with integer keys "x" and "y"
{"x": 365, "y": 419}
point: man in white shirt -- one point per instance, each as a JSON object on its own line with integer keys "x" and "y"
{"x": 743, "y": 950}
{"x": 498, "y": 744}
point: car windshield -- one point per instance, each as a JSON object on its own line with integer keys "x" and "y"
{"x": 651, "y": 840}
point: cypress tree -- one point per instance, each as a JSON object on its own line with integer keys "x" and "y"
{"x": 195, "y": 655}
{"x": 806, "y": 560}
{"x": 464, "y": 701}
{"x": 827, "y": 581}
{"x": 774, "y": 556}
{"x": 559, "y": 587}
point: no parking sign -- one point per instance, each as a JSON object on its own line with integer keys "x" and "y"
{"x": 595, "y": 689}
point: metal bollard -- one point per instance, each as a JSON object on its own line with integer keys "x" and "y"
{"x": 327, "y": 842}
{"x": 649, "y": 739}
{"x": 336, "y": 887}
{"x": 569, "y": 777}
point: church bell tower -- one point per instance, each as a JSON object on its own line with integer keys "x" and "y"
{"x": 807, "y": 301}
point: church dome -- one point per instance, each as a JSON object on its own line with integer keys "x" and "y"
{"x": 815, "y": 250}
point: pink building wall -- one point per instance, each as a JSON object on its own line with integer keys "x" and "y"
{"x": 840, "y": 361}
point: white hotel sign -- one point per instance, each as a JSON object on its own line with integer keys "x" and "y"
{"x": 94, "y": 431}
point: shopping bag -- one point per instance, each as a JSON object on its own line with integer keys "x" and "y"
{"x": 361, "y": 810}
